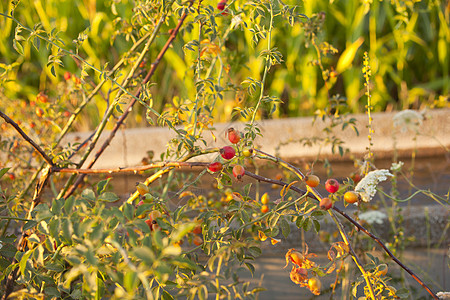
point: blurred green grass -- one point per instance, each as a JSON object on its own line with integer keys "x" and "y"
{"x": 407, "y": 42}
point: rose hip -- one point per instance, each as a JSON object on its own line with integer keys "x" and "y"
{"x": 227, "y": 152}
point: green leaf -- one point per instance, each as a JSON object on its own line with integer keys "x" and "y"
{"x": 18, "y": 47}
{"x": 51, "y": 291}
{"x": 171, "y": 251}
{"x": 97, "y": 232}
{"x": 182, "y": 231}
{"x": 53, "y": 227}
{"x": 33, "y": 238}
{"x": 43, "y": 214}
{"x": 52, "y": 70}
{"x": 166, "y": 296}
{"x": 23, "y": 261}
{"x": 108, "y": 197}
{"x": 184, "y": 263}
{"x": 157, "y": 239}
{"x": 43, "y": 227}
{"x": 68, "y": 204}
{"x": 67, "y": 230}
{"x": 402, "y": 293}
{"x": 145, "y": 254}
{"x": 3, "y": 171}
{"x": 318, "y": 214}
{"x": 355, "y": 288}
{"x": 56, "y": 267}
{"x": 130, "y": 281}
{"x": 254, "y": 251}
{"x": 101, "y": 186}
{"x": 316, "y": 225}
{"x": 307, "y": 224}
{"x": 143, "y": 208}
{"x": 373, "y": 258}
{"x": 285, "y": 228}
{"x": 57, "y": 204}
{"x": 289, "y": 212}
{"x": 128, "y": 211}
{"x": 8, "y": 251}
{"x": 88, "y": 194}
{"x": 251, "y": 268}
{"x": 4, "y": 263}
{"x": 258, "y": 289}
{"x": 28, "y": 225}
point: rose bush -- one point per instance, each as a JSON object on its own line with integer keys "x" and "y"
{"x": 64, "y": 235}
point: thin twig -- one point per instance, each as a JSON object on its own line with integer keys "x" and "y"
{"x": 164, "y": 170}
{"x": 27, "y": 138}
{"x": 174, "y": 164}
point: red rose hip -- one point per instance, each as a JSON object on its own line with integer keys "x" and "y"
{"x": 67, "y": 75}
{"x": 215, "y": 167}
{"x": 233, "y": 135}
{"x": 264, "y": 209}
{"x": 332, "y": 185}
{"x": 221, "y": 4}
{"x": 227, "y": 152}
{"x": 197, "y": 229}
{"x": 326, "y": 203}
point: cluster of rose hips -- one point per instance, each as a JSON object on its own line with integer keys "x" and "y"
{"x": 43, "y": 99}
{"x": 332, "y": 186}
{"x": 229, "y": 152}
{"x": 299, "y": 272}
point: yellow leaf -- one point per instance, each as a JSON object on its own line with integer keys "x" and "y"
{"x": 262, "y": 236}
{"x": 346, "y": 59}
{"x": 186, "y": 193}
{"x": 237, "y": 196}
{"x": 274, "y": 241}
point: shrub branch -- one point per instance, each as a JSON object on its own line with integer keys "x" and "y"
{"x": 27, "y": 138}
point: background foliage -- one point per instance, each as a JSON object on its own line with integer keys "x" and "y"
{"x": 407, "y": 42}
